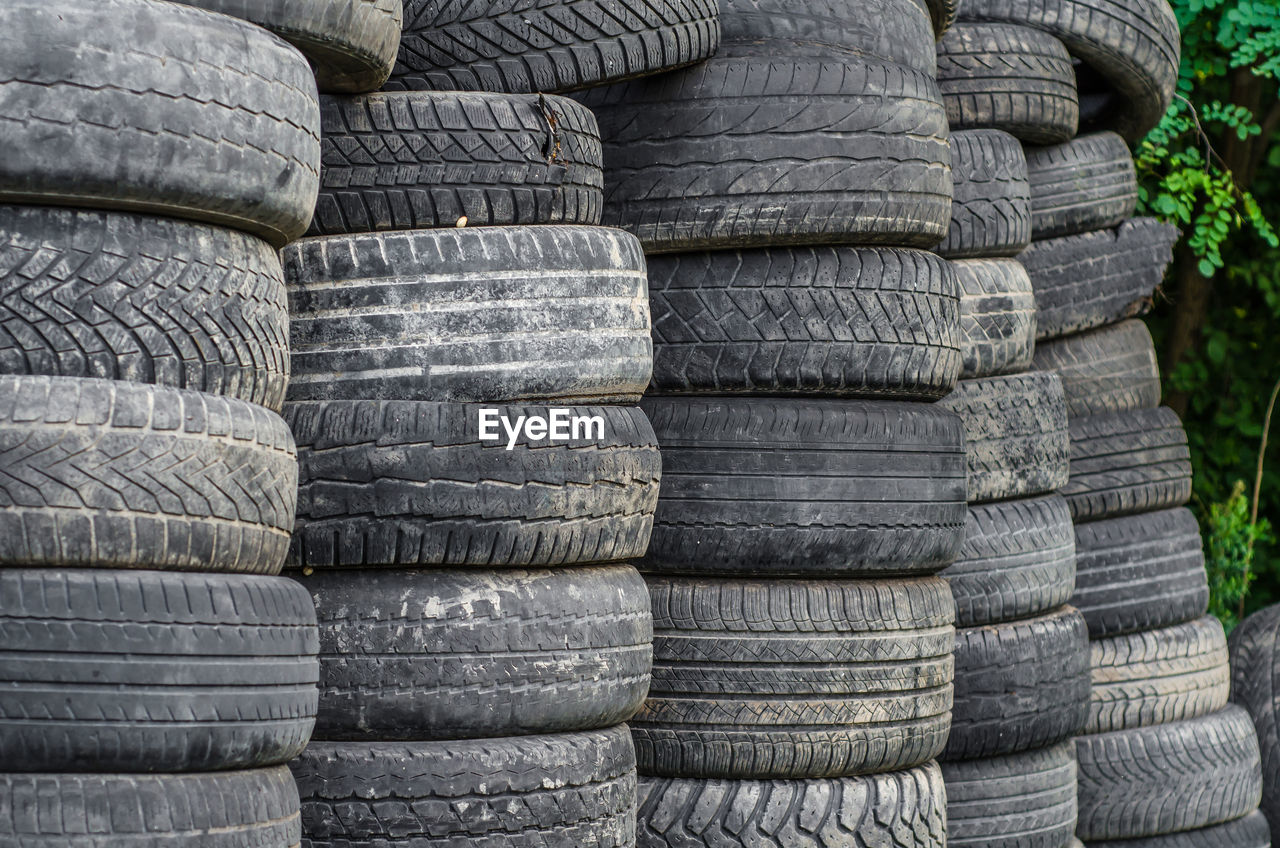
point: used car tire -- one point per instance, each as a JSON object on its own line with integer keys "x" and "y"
{"x": 1014, "y": 801}
{"x": 1112, "y": 369}
{"x": 1127, "y": 462}
{"x": 1252, "y": 831}
{"x": 1088, "y": 183}
{"x": 997, "y": 317}
{"x": 991, "y": 207}
{"x": 1254, "y": 687}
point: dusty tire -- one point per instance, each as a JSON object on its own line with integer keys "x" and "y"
{"x": 997, "y": 317}
{"x": 411, "y": 484}
{"x": 752, "y": 150}
{"x": 556, "y": 789}
{"x": 1008, "y": 77}
{"x": 991, "y": 208}
{"x": 1018, "y": 801}
{"x": 788, "y": 679}
{"x": 1251, "y": 831}
{"x": 508, "y": 314}
{"x": 550, "y": 47}
{"x": 466, "y": 654}
{"x": 1113, "y": 369}
{"x": 205, "y": 117}
{"x": 102, "y": 474}
{"x": 842, "y": 321}
{"x": 1085, "y": 184}
{"x": 1016, "y": 441}
{"x": 805, "y": 487}
{"x": 1018, "y": 561}
{"x": 1254, "y": 687}
{"x": 1127, "y": 462}
{"x": 143, "y": 299}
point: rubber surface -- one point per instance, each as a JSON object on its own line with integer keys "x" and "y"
{"x": 991, "y": 208}
{"x": 997, "y": 317}
{"x": 1112, "y": 369}
{"x": 1251, "y": 831}
{"x": 1254, "y": 687}
{"x": 1017, "y": 801}
{"x": 1088, "y": 183}
{"x": 1127, "y": 462}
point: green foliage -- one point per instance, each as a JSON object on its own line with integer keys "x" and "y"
{"x": 1230, "y": 542}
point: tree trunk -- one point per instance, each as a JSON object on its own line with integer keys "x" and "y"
{"x": 1190, "y": 299}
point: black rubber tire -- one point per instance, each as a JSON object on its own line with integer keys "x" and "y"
{"x": 351, "y": 44}
{"x": 144, "y": 299}
{"x": 419, "y": 160}
{"x": 467, "y": 654}
{"x": 97, "y": 473}
{"x": 558, "y": 789}
{"x": 223, "y": 809}
{"x": 1150, "y": 781}
{"x": 204, "y": 116}
{"x": 831, "y": 321}
{"x": 1019, "y": 685}
{"x": 1112, "y": 369}
{"x": 144, "y": 671}
{"x": 796, "y": 679}
{"x": 1134, "y": 45}
{"x": 1016, "y": 442}
{"x": 757, "y": 149}
{"x": 549, "y": 46}
{"x": 905, "y": 809}
{"x": 1088, "y": 183}
{"x": 1097, "y": 278}
{"x": 1140, "y": 572}
{"x": 411, "y": 483}
{"x": 997, "y": 317}
{"x": 991, "y": 209}
{"x": 778, "y": 487}
{"x": 507, "y": 314}
{"x": 1127, "y": 462}
{"x": 1255, "y": 685}
{"x": 1251, "y": 831}
{"x": 1023, "y": 800}
{"x": 1018, "y": 561}
{"x": 1008, "y": 77}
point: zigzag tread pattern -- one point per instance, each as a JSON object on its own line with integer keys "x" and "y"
{"x": 1255, "y": 684}
{"x": 997, "y": 317}
{"x": 991, "y": 207}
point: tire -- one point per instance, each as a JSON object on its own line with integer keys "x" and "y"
{"x": 143, "y": 671}
{"x": 557, "y": 789}
{"x": 1018, "y": 561}
{"x": 1113, "y": 369}
{"x": 1150, "y": 781}
{"x": 991, "y": 210}
{"x": 1127, "y": 462}
{"x": 776, "y": 487}
{"x": 1097, "y": 278}
{"x": 1019, "y": 685}
{"x": 351, "y": 44}
{"x": 143, "y": 299}
{"x": 510, "y": 314}
{"x": 1019, "y": 801}
{"x": 1016, "y": 441}
{"x": 1088, "y": 183}
{"x": 1158, "y": 677}
{"x": 1133, "y": 45}
{"x": 548, "y": 47}
{"x": 420, "y": 160}
{"x": 412, "y": 484}
{"x": 753, "y": 149}
{"x": 96, "y": 473}
{"x": 997, "y": 317}
{"x": 1254, "y": 687}
{"x": 1251, "y": 831}
{"x": 905, "y": 809}
{"x": 205, "y": 117}
{"x": 1008, "y": 77}
{"x": 830, "y": 321}
{"x": 466, "y": 654}
{"x": 736, "y": 694}
{"x": 1140, "y": 572}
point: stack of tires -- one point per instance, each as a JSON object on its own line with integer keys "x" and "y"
{"x": 155, "y": 672}
{"x": 786, "y": 192}
{"x": 1255, "y": 662}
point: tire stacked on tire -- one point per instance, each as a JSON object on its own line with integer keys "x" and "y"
{"x": 1253, "y": 686}
{"x": 156, "y": 672}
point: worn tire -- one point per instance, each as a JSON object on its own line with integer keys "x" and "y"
{"x": 1150, "y": 781}
{"x": 1140, "y": 572}
{"x": 1254, "y": 686}
{"x": 1016, "y": 441}
{"x": 143, "y": 299}
{"x": 507, "y": 314}
{"x": 411, "y": 484}
{"x": 554, "y": 46}
{"x": 467, "y": 654}
{"x": 1127, "y": 462}
{"x": 783, "y": 487}
{"x": 997, "y": 317}
{"x": 1088, "y": 183}
{"x": 1023, "y": 800}
{"x": 1112, "y": 369}
{"x": 1008, "y": 77}
{"x": 95, "y": 473}
{"x": 556, "y": 789}
{"x": 991, "y": 208}
{"x": 790, "y": 679}
{"x": 1018, "y": 561}
{"x": 205, "y": 116}
{"x": 756, "y": 149}
{"x": 1251, "y": 831}
{"x": 832, "y": 321}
